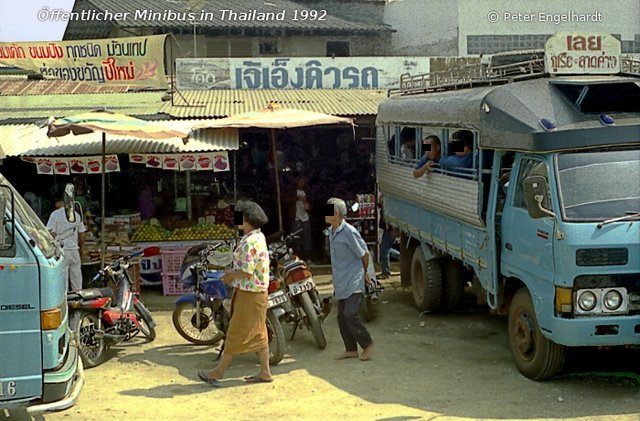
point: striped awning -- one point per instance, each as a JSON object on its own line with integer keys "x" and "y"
{"x": 31, "y": 140}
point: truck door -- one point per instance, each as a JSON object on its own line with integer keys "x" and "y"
{"x": 527, "y": 244}
{"x": 20, "y": 334}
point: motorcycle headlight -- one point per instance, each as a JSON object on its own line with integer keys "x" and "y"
{"x": 587, "y": 301}
{"x": 612, "y": 300}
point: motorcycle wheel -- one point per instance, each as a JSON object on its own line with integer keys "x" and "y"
{"x": 144, "y": 317}
{"x": 92, "y": 350}
{"x": 184, "y": 320}
{"x": 313, "y": 320}
{"x": 366, "y": 309}
{"x": 276, "y": 339}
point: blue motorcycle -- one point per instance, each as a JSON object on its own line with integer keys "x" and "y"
{"x": 202, "y": 316}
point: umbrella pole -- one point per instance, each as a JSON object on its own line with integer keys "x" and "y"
{"x": 277, "y": 170}
{"x": 102, "y": 201}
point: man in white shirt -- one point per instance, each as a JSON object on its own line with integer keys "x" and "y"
{"x": 71, "y": 235}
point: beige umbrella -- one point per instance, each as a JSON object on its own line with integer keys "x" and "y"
{"x": 273, "y": 117}
{"x": 112, "y": 123}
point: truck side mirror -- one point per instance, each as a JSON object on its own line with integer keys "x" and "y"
{"x": 69, "y": 202}
{"x": 536, "y": 197}
{"x": 6, "y": 194}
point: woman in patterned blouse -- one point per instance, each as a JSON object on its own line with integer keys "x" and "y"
{"x": 250, "y": 279}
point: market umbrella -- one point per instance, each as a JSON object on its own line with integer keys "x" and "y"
{"x": 273, "y": 117}
{"x": 111, "y": 123}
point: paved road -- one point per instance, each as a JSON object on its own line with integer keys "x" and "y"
{"x": 455, "y": 365}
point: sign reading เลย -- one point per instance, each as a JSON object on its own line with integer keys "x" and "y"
{"x": 573, "y": 52}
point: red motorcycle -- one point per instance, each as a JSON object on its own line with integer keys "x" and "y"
{"x": 100, "y": 320}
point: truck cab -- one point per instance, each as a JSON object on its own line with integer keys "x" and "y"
{"x": 545, "y": 223}
{"x": 39, "y": 365}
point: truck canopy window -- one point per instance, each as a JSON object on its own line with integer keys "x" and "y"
{"x": 603, "y": 97}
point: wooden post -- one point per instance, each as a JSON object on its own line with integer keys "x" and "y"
{"x": 277, "y": 171}
{"x": 102, "y": 202}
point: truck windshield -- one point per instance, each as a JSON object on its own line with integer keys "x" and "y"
{"x": 29, "y": 221}
{"x": 599, "y": 185}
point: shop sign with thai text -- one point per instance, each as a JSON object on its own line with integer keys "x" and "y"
{"x": 578, "y": 52}
{"x": 296, "y": 72}
{"x": 133, "y": 61}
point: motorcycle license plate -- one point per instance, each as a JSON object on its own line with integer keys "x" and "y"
{"x": 276, "y": 299}
{"x": 302, "y": 286}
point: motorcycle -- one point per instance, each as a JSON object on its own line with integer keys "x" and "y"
{"x": 101, "y": 320}
{"x": 202, "y": 316}
{"x": 296, "y": 281}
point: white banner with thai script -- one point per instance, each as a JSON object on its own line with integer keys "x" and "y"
{"x": 579, "y": 52}
{"x": 296, "y": 72}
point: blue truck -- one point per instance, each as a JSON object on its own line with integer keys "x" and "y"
{"x": 545, "y": 225}
{"x": 39, "y": 365}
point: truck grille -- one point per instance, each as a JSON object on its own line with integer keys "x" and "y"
{"x": 602, "y": 257}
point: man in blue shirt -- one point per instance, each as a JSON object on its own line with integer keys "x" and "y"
{"x": 462, "y": 143}
{"x": 349, "y": 262}
{"x": 431, "y": 145}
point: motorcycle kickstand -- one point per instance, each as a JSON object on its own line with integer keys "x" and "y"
{"x": 295, "y": 328}
{"x": 220, "y": 352}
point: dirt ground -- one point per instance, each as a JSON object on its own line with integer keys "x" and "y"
{"x": 450, "y": 366}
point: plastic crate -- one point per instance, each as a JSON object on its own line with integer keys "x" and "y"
{"x": 171, "y": 285}
{"x": 172, "y": 259}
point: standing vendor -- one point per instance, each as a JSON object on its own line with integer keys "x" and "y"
{"x": 71, "y": 236}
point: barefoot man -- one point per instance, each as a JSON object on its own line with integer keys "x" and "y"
{"x": 349, "y": 261}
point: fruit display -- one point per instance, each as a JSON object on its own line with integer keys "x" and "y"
{"x": 203, "y": 231}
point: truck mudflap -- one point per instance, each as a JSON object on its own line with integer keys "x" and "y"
{"x": 67, "y": 391}
{"x": 600, "y": 331}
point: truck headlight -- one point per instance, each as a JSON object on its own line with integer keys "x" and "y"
{"x": 587, "y": 301}
{"x": 612, "y": 299}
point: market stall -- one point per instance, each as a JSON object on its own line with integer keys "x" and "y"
{"x": 189, "y": 187}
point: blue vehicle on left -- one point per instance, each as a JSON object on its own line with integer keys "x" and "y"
{"x": 40, "y": 368}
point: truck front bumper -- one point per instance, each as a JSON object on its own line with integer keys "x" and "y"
{"x": 595, "y": 331}
{"x": 62, "y": 387}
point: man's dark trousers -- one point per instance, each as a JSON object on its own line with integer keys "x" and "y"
{"x": 351, "y": 327}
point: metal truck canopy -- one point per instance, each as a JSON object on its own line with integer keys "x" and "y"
{"x": 508, "y": 116}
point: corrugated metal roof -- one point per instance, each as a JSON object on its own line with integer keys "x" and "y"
{"x": 214, "y": 7}
{"x": 44, "y": 106}
{"x": 31, "y": 140}
{"x": 20, "y": 85}
{"x": 223, "y": 103}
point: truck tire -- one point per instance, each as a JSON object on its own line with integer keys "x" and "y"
{"x": 426, "y": 279}
{"x": 454, "y": 281}
{"x": 406, "y": 255}
{"x": 536, "y": 357}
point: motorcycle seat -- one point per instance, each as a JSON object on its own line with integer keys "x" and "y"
{"x": 90, "y": 294}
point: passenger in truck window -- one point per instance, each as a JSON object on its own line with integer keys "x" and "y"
{"x": 431, "y": 146}
{"x": 408, "y": 149}
{"x": 462, "y": 145}
{"x": 391, "y": 145}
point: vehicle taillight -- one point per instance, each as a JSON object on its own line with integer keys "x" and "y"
{"x": 274, "y": 285}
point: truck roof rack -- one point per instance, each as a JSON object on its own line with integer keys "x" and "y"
{"x": 485, "y": 74}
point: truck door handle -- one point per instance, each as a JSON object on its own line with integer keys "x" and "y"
{"x": 508, "y": 246}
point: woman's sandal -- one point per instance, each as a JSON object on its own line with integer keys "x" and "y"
{"x": 205, "y": 378}
{"x": 256, "y": 379}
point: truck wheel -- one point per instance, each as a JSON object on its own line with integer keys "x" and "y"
{"x": 406, "y": 254}
{"x": 453, "y": 283}
{"x": 536, "y": 357}
{"x": 426, "y": 279}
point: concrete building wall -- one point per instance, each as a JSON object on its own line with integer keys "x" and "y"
{"x": 488, "y": 26}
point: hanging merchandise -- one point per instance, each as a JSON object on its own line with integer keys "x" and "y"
{"x": 221, "y": 161}
{"x": 44, "y": 166}
{"x": 136, "y": 158}
{"x": 94, "y": 164}
{"x": 61, "y": 166}
{"x": 204, "y": 162}
{"x": 78, "y": 165}
{"x": 111, "y": 163}
{"x": 153, "y": 161}
{"x": 187, "y": 162}
{"x": 170, "y": 162}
